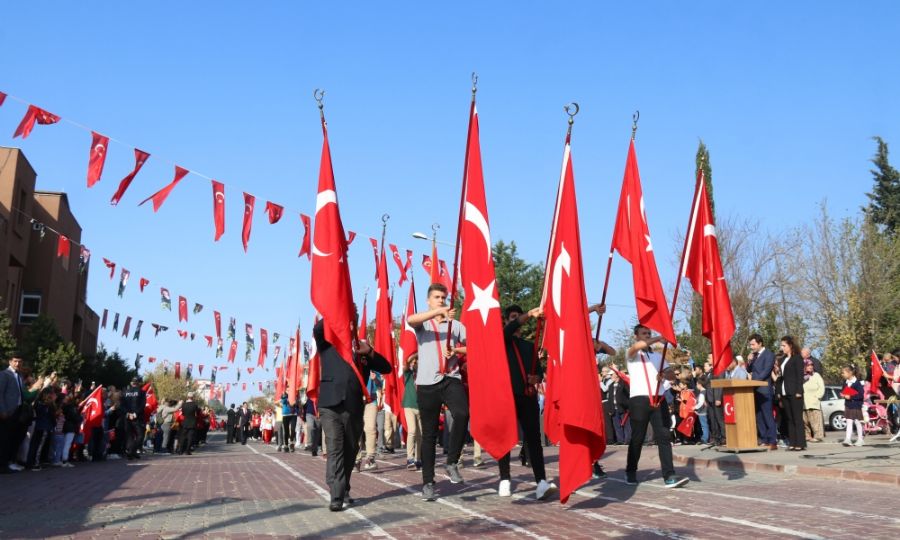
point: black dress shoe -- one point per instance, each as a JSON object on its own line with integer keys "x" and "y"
{"x": 336, "y": 506}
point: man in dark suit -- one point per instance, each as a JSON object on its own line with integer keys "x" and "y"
{"x": 12, "y": 431}
{"x": 341, "y": 409}
{"x": 245, "y": 416}
{"x": 761, "y": 363}
{"x": 189, "y": 410}
{"x": 230, "y": 422}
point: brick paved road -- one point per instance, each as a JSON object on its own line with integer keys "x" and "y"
{"x": 233, "y": 491}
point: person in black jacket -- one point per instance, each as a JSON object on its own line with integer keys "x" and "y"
{"x": 525, "y": 373}
{"x": 245, "y": 417}
{"x": 189, "y": 410}
{"x": 230, "y": 422}
{"x": 341, "y": 408}
{"x": 133, "y": 401}
{"x": 790, "y": 386}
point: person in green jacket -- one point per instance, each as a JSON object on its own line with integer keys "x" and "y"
{"x": 413, "y": 420}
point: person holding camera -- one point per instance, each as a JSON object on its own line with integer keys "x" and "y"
{"x": 525, "y": 372}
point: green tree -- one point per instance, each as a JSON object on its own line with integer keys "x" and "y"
{"x": 167, "y": 387}
{"x": 41, "y": 334}
{"x": 518, "y": 282}
{"x": 884, "y": 200}
{"x": 7, "y": 340}
{"x": 64, "y": 359}
{"x": 106, "y": 369}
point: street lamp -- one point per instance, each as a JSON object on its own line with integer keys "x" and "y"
{"x": 423, "y": 236}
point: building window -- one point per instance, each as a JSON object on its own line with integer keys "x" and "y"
{"x": 30, "y": 308}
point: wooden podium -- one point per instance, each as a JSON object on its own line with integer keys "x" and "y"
{"x": 740, "y": 414}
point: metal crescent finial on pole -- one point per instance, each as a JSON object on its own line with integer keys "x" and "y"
{"x": 319, "y": 96}
{"x": 434, "y": 230}
{"x": 634, "y": 121}
{"x": 571, "y": 109}
{"x": 474, "y": 84}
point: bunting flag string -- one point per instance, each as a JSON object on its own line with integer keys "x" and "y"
{"x": 96, "y": 158}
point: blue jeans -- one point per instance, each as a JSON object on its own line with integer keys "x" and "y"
{"x": 704, "y": 428}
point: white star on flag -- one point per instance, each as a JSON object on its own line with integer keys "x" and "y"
{"x": 484, "y": 300}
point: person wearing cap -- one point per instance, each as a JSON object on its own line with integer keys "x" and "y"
{"x": 134, "y": 400}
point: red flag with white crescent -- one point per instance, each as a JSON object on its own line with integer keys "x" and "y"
{"x": 384, "y": 341}
{"x": 363, "y": 325}
{"x": 232, "y": 351}
{"x": 96, "y": 158}
{"x": 140, "y": 157}
{"x": 218, "y": 208}
{"x": 263, "y": 347}
{"x": 573, "y": 410}
{"x": 395, "y": 254}
{"x": 703, "y": 266}
{"x": 143, "y": 283}
{"x": 182, "y": 309}
{"x": 92, "y": 413}
{"x": 151, "y": 403}
{"x": 111, "y": 265}
{"x": 490, "y": 390}
{"x": 274, "y": 212}
{"x": 218, "y": 319}
{"x": 332, "y": 293}
{"x": 631, "y": 238}
{"x": 408, "y": 343}
{"x": 2, "y": 98}
{"x": 32, "y": 115}
{"x": 249, "y": 201}
{"x": 314, "y": 371}
{"x": 160, "y": 196}
{"x": 62, "y": 246}
{"x": 304, "y": 244}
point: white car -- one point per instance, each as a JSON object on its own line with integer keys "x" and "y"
{"x": 833, "y": 408}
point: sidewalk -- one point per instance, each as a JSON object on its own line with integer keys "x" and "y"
{"x": 878, "y": 461}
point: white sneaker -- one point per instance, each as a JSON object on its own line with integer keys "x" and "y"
{"x": 16, "y": 467}
{"x": 504, "y": 490}
{"x": 542, "y": 489}
{"x": 846, "y": 442}
{"x": 859, "y": 442}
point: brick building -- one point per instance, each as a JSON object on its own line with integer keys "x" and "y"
{"x": 34, "y": 280}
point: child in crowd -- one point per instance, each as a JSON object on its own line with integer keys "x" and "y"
{"x": 701, "y": 408}
{"x": 853, "y": 393}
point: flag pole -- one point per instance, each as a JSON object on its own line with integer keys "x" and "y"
{"x": 688, "y": 240}
{"x": 634, "y": 122}
{"x": 462, "y": 202}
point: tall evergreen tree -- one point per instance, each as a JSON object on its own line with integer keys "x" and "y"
{"x": 884, "y": 200}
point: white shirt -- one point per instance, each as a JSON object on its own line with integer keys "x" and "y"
{"x": 640, "y": 378}
{"x": 783, "y": 363}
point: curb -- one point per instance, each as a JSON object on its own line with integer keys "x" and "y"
{"x": 733, "y": 464}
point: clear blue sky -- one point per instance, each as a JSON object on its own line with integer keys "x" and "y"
{"x": 786, "y": 96}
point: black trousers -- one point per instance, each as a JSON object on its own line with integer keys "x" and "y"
{"x": 290, "y": 429}
{"x": 793, "y": 412}
{"x": 716, "y": 423}
{"x": 134, "y": 434}
{"x": 185, "y": 439}
{"x": 641, "y": 415}
{"x": 12, "y": 433}
{"x": 342, "y": 432}
{"x": 315, "y": 433}
{"x": 245, "y": 433}
{"x": 229, "y": 433}
{"x": 528, "y": 413}
{"x": 450, "y": 392}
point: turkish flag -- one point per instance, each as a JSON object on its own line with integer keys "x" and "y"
{"x": 32, "y": 115}
{"x": 232, "y": 350}
{"x": 445, "y": 277}
{"x": 96, "y": 158}
{"x": 218, "y": 208}
{"x": 350, "y": 237}
{"x": 427, "y": 266}
{"x": 304, "y": 244}
{"x": 111, "y": 265}
{"x": 151, "y": 402}
{"x": 314, "y": 374}
{"x": 244, "y": 386}
{"x": 249, "y": 201}
{"x": 877, "y": 372}
{"x": 140, "y": 157}
{"x": 631, "y": 238}
{"x": 182, "y": 309}
{"x": 263, "y": 347}
{"x": 703, "y": 266}
{"x": 490, "y": 391}
{"x": 573, "y": 410}
{"x": 62, "y": 246}
{"x": 332, "y": 293}
{"x": 279, "y": 381}
{"x": 274, "y": 211}
{"x": 160, "y": 196}
{"x": 177, "y": 370}
{"x": 218, "y": 319}
{"x": 2, "y": 98}
{"x": 293, "y": 374}
{"x": 728, "y": 408}
{"x": 395, "y": 253}
{"x": 408, "y": 343}
{"x": 375, "y": 253}
{"x": 250, "y": 370}
{"x": 686, "y": 427}
{"x": 143, "y": 283}
{"x": 92, "y": 413}
{"x": 384, "y": 341}
{"x": 362, "y": 327}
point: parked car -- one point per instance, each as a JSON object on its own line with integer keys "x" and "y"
{"x": 833, "y": 408}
